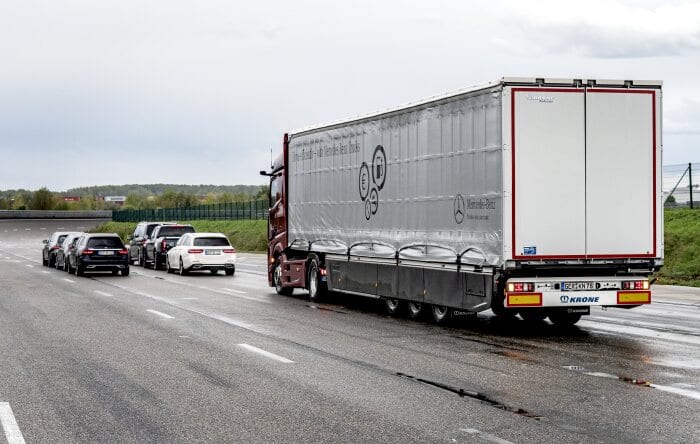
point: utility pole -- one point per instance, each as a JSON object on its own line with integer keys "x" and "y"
{"x": 690, "y": 180}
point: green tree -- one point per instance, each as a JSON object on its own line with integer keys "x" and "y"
{"x": 42, "y": 200}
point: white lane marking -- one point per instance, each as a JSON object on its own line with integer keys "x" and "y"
{"x": 9, "y": 424}
{"x": 61, "y": 228}
{"x": 266, "y": 353}
{"x": 225, "y": 319}
{"x": 30, "y": 266}
{"x": 235, "y": 291}
{"x": 677, "y": 390}
{"x": 42, "y": 228}
{"x": 103, "y": 293}
{"x": 166, "y": 316}
{"x": 27, "y": 229}
{"x": 190, "y": 299}
{"x": 45, "y": 272}
{"x": 69, "y": 280}
{"x": 486, "y": 436}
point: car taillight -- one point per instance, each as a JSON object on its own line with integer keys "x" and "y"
{"x": 195, "y": 251}
{"x": 144, "y": 242}
{"x": 520, "y": 287}
{"x": 230, "y": 250}
{"x": 88, "y": 252}
{"x": 124, "y": 251}
{"x": 163, "y": 245}
{"x": 56, "y": 247}
{"x": 635, "y": 285}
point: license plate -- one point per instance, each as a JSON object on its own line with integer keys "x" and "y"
{"x": 106, "y": 253}
{"x": 577, "y": 286}
{"x": 212, "y": 252}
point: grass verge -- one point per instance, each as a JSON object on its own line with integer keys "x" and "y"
{"x": 245, "y": 235}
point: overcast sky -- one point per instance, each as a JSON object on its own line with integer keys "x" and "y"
{"x": 116, "y": 92}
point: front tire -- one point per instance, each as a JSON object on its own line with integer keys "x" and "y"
{"x": 277, "y": 280}
{"x": 318, "y": 290}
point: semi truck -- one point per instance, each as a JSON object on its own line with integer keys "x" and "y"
{"x": 532, "y": 196}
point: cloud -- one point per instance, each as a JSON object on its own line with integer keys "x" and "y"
{"x": 607, "y": 29}
{"x": 683, "y": 118}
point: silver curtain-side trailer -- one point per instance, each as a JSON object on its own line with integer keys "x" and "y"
{"x": 539, "y": 182}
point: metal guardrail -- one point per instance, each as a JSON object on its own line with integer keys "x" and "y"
{"x": 42, "y": 214}
{"x": 254, "y": 209}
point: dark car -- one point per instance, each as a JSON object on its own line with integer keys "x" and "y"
{"x": 62, "y": 253}
{"x": 163, "y": 238}
{"x": 141, "y": 234}
{"x": 99, "y": 252}
{"x": 51, "y": 247}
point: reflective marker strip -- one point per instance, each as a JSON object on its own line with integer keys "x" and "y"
{"x": 265, "y": 353}
{"x": 634, "y": 297}
{"x": 524, "y": 299}
{"x": 9, "y": 424}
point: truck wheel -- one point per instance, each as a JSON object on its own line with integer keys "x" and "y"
{"x": 393, "y": 306}
{"x": 277, "y": 280}
{"x": 318, "y": 290}
{"x": 415, "y": 309}
{"x": 532, "y": 314}
{"x": 441, "y": 314}
{"x": 564, "y": 319}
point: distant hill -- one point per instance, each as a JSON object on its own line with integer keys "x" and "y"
{"x": 160, "y": 188}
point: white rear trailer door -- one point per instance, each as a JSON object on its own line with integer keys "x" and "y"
{"x": 549, "y": 194}
{"x": 620, "y": 172}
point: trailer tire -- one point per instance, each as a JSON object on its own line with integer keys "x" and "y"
{"x": 499, "y": 310}
{"x": 415, "y": 309}
{"x": 441, "y": 314}
{"x": 277, "y": 280}
{"x": 394, "y": 306}
{"x": 533, "y": 314}
{"x": 318, "y": 290}
{"x": 564, "y": 319}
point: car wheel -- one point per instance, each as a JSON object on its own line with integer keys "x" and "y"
{"x": 415, "y": 309}
{"x": 79, "y": 271}
{"x": 214, "y": 272}
{"x": 277, "y": 280}
{"x": 65, "y": 266}
{"x": 393, "y": 306}
{"x": 52, "y": 261}
{"x": 142, "y": 258}
{"x": 168, "y": 269}
{"x": 441, "y": 314}
{"x": 125, "y": 271}
{"x": 182, "y": 268}
{"x": 230, "y": 271}
{"x": 44, "y": 262}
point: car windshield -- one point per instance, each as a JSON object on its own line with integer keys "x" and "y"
{"x": 105, "y": 242}
{"x": 175, "y": 231}
{"x": 211, "y": 242}
{"x": 61, "y": 238}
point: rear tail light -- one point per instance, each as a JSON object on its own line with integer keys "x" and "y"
{"x": 195, "y": 251}
{"x": 230, "y": 250}
{"x": 124, "y": 251}
{"x": 144, "y": 241}
{"x": 88, "y": 252}
{"x": 163, "y": 245}
{"x": 323, "y": 272}
{"x": 635, "y": 285}
{"x": 520, "y": 287}
{"x": 56, "y": 247}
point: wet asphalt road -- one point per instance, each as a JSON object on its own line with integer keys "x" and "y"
{"x": 155, "y": 357}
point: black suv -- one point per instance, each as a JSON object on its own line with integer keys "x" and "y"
{"x": 140, "y": 236}
{"x": 99, "y": 252}
{"x": 163, "y": 238}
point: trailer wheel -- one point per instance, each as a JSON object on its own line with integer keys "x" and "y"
{"x": 564, "y": 319}
{"x": 393, "y": 306}
{"x": 532, "y": 314}
{"x": 498, "y": 308}
{"x": 277, "y": 280}
{"x": 441, "y": 314}
{"x": 318, "y": 290}
{"x": 415, "y": 309}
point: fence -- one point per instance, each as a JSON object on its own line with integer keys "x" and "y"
{"x": 254, "y": 209}
{"x": 680, "y": 185}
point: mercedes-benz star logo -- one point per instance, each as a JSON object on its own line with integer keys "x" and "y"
{"x": 459, "y": 209}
